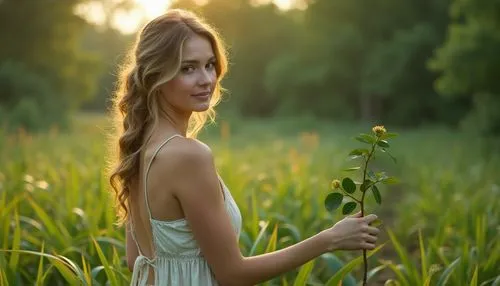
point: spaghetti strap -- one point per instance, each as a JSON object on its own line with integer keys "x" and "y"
{"x": 147, "y": 172}
{"x": 131, "y": 224}
{"x": 176, "y": 257}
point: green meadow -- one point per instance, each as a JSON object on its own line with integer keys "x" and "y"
{"x": 441, "y": 222}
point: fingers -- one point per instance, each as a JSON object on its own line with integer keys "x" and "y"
{"x": 367, "y": 245}
{"x": 358, "y": 214}
{"x": 370, "y": 218}
{"x": 371, "y": 239}
{"x": 372, "y": 230}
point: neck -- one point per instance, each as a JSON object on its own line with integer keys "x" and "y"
{"x": 174, "y": 122}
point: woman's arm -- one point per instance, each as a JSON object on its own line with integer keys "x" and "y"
{"x": 197, "y": 188}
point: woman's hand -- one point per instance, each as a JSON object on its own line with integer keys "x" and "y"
{"x": 353, "y": 233}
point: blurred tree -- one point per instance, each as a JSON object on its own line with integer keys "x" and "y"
{"x": 255, "y": 35}
{"x": 28, "y": 100}
{"x": 337, "y": 59}
{"x": 366, "y": 60}
{"x": 469, "y": 61}
{"x": 111, "y": 45}
{"x": 44, "y": 37}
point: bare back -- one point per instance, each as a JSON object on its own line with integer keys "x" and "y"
{"x": 162, "y": 202}
{"x": 166, "y": 249}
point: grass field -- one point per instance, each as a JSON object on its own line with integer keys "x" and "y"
{"x": 441, "y": 223}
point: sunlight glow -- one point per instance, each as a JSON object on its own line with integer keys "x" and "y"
{"x": 283, "y": 4}
{"x": 129, "y": 21}
{"x": 152, "y": 8}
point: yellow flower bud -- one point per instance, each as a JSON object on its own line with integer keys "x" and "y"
{"x": 335, "y": 184}
{"x": 379, "y": 130}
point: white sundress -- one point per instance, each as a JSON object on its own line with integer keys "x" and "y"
{"x": 177, "y": 258}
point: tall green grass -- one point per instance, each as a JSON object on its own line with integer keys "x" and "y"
{"x": 442, "y": 222}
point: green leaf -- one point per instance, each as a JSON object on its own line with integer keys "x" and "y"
{"x": 390, "y": 180}
{"x": 374, "y": 271}
{"x": 376, "y": 194}
{"x": 377, "y": 222}
{"x": 259, "y": 238}
{"x": 352, "y": 169}
{"x": 16, "y": 242}
{"x": 39, "y": 280}
{"x": 432, "y": 270}
{"x": 336, "y": 279}
{"x": 443, "y": 279}
{"x": 388, "y": 135}
{"x": 392, "y": 157}
{"x": 423, "y": 258}
{"x": 366, "y": 138}
{"x": 333, "y": 201}
{"x": 271, "y": 245}
{"x": 381, "y": 175}
{"x": 255, "y": 215}
{"x": 348, "y": 185}
{"x": 365, "y": 185}
{"x": 359, "y": 152}
{"x": 497, "y": 281}
{"x": 107, "y": 267}
{"x": 372, "y": 175}
{"x": 66, "y": 267}
{"x": 304, "y": 273}
{"x": 473, "y": 281}
{"x": 403, "y": 254}
{"x": 354, "y": 157}
{"x": 383, "y": 144}
{"x": 68, "y": 275}
{"x": 333, "y": 264}
{"x": 348, "y": 208}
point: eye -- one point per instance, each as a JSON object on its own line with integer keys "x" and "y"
{"x": 187, "y": 69}
{"x": 211, "y": 65}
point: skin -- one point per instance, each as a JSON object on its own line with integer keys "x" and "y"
{"x": 183, "y": 183}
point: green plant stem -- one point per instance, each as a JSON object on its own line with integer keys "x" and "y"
{"x": 362, "y": 204}
{"x": 347, "y": 194}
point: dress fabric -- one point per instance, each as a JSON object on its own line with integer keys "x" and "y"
{"x": 177, "y": 256}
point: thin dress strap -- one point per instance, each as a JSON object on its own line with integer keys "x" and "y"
{"x": 147, "y": 172}
{"x": 132, "y": 229}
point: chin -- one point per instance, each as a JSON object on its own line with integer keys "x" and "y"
{"x": 201, "y": 107}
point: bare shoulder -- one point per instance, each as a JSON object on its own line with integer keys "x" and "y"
{"x": 184, "y": 157}
{"x": 192, "y": 175}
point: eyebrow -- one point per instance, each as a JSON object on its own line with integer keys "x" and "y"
{"x": 197, "y": 61}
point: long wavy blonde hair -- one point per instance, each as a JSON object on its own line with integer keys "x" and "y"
{"x": 154, "y": 60}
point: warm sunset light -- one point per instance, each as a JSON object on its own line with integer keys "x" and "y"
{"x": 129, "y": 21}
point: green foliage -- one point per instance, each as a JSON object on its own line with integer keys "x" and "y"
{"x": 110, "y": 46}
{"x": 337, "y": 278}
{"x": 469, "y": 62}
{"x": 402, "y": 63}
{"x": 45, "y": 72}
{"x": 336, "y": 59}
{"x": 54, "y": 201}
{"x": 377, "y": 142}
{"x": 27, "y": 100}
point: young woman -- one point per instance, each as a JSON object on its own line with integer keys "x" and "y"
{"x": 182, "y": 224}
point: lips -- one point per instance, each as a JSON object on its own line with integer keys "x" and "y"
{"x": 202, "y": 94}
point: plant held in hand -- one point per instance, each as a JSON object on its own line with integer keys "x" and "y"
{"x": 347, "y": 187}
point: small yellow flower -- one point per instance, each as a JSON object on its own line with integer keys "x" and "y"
{"x": 335, "y": 184}
{"x": 379, "y": 130}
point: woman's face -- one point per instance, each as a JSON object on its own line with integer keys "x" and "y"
{"x": 191, "y": 89}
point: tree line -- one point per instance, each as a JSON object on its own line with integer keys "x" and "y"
{"x": 404, "y": 63}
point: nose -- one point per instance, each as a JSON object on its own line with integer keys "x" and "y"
{"x": 206, "y": 78}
